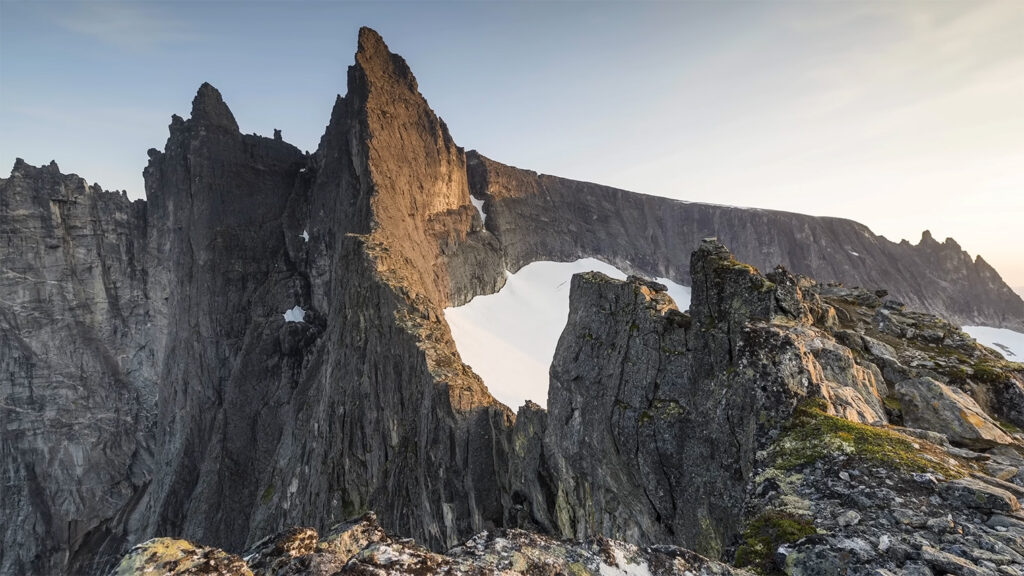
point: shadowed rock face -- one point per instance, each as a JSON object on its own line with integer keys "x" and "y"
{"x": 76, "y": 375}
{"x": 541, "y": 217}
{"x": 150, "y": 385}
{"x": 655, "y": 416}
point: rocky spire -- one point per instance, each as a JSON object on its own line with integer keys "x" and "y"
{"x": 725, "y": 289}
{"x": 208, "y": 108}
{"x": 375, "y": 59}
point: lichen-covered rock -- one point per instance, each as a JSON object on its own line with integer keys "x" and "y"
{"x": 503, "y": 552}
{"x": 275, "y": 555}
{"x": 931, "y": 405}
{"x": 170, "y": 557}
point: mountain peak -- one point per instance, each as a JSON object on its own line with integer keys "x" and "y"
{"x": 379, "y": 65}
{"x": 208, "y": 107}
{"x": 369, "y": 40}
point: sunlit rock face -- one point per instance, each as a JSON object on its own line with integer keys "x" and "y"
{"x": 151, "y": 384}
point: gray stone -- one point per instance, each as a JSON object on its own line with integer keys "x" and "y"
{"x": 951, "y": 564}
{"x": 932, "y": 405}
{"x": 971, "y": 493}
{"x": 848, "y": 518}
{"x": 916, "y": 569}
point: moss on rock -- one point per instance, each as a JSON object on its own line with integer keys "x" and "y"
{"x": 763, "y": 536}
{"x": 812, "y": 434}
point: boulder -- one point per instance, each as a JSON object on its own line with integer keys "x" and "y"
{"x": 932, "y": 405}
{"x": 971, "y": 493}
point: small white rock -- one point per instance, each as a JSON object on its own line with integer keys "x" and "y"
{"x": 848, "y": 518}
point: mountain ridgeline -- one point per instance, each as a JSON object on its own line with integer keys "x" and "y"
{"x": 150, "y": 385}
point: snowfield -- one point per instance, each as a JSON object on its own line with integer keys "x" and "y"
{"x": 509, "y": 338}
{"x": 1007, "y": 342}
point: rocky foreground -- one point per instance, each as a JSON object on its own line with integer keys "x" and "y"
{"x": 362, "y": 547}
{"x": 150, "y": 384}
{"x": 781, "y": 426}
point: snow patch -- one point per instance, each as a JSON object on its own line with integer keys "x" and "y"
{"x": 509, "y": 338}
{"x": 479, "y": 204}
{"x": 295, "y": 314}
{"x": 1007, "y": 342}
{"x": 304, "y": 235}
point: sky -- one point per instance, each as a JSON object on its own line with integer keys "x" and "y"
{"x": 905, "y": 116}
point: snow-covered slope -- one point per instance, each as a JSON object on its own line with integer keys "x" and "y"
{"x": 1009, "y": 343}
{"x": 509, "y": 338}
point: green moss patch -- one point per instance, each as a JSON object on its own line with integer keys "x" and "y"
{"x": 268, "y": 494}
{"x": 812, "y": 434}
{"x": 763, "y": 536}
{"x": 988, "y": 373}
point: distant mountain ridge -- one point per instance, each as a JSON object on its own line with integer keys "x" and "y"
{"x": 541, "y": 217}
{"x": 150, "y": 383}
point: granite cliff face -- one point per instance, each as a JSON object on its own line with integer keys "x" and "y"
{"x": 151, "y": 386}
{"x": 540, "y": 217}
{"x": 76, "y": 375}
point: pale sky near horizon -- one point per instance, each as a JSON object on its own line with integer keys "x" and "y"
{"x": 905, "y": 116}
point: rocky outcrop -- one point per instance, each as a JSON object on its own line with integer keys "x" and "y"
{"x": 656, "y": 416}
{"x": 361, "y": 547}
{"x": 541, "y": 217}
{"x": 722, "y": 429}
{"x": 151, "y": 385}
{"x": 931, "y": 405}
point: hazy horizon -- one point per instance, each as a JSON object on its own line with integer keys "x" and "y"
{"x": 904, "y": 117}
